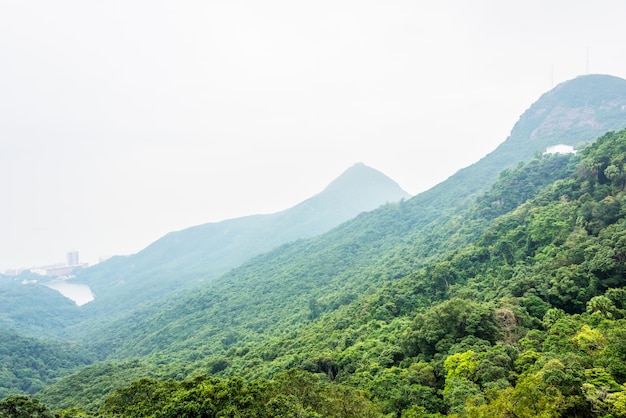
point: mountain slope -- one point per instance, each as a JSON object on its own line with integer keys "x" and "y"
{"x": 28, "y": 364}
{"x": 251, "y": 323}
{"x": 254, "y": 327}
{"x": 257, "y": 310}
{"x": 187, "y": 258}
{"x": 331, "y": 270}
{"x": 34, "y": 309}
{"x": 298, "y": 282}
{"x": 527, "y": 320}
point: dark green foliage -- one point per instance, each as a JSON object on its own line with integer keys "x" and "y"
{"x": 34, "y": 309}
{"x": 87, "y": 388}
{"x": 436, "y": 330}
{"x": 21, "y": 406}
{"x": 27, "y": 364}
{"x": 291, "y": 394}
{"x": 516, "y": 186}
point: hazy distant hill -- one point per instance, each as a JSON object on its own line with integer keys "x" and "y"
{"x": 186, "y": 258}
{"x": 574, "y": 112}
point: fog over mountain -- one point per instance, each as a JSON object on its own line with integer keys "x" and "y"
{"x": 123, "y": 121}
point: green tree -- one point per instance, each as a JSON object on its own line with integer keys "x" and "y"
{"x": 22, "y": 406}
{"x": 603, "y": 306}
{"x": 441, "y": 326}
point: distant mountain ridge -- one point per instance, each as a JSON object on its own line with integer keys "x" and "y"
{"x": 566, "y": 114}
{"x": 185, "y": 258}
{"x": 358, "y": 189}
{"x": 574, "y": 112}
{"x": 523, "y": 317}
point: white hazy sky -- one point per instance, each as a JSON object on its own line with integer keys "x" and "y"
{"x": 123, "y": 120}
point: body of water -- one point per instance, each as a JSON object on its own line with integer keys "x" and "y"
{"x": 78, "y": 292}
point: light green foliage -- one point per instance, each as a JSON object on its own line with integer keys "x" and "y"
{"x": 461, "y": 365}
{"x": 603, "y": 306}
{"x": 589, "y": 340}
{"x": 531, "y": 397}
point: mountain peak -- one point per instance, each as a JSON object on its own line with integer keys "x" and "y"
{"x": 588, "y": 89}
{"x": 203, "y": 252}
{"x": 361, "y": 176}
{"x": 576, "y": 110}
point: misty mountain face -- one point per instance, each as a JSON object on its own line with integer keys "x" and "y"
{"x": 358, "y": 189}
{"x": 182, "y": 259}
{"x": 573, "y": 113}
{"x": 187, "y": 258}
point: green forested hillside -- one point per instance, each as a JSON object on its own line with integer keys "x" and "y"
{"x": 28, "y": 364}
{"x": 525, "y": 321}
{"x": 525, "y": 317}
{"x": 35, "y": 309}
{"x": 576, "y": 111}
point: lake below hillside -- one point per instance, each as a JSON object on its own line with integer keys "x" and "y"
{"x": 78, "y": 292}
